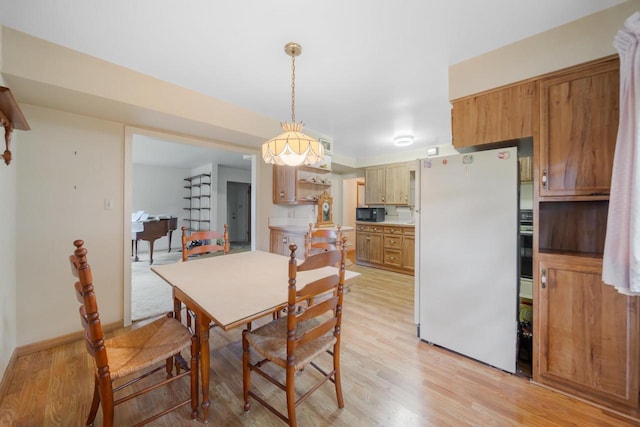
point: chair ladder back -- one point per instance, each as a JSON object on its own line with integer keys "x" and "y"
{"x": 89, "y": 316}
{"x": 210, "y": 235}
{"x": 319, "y": 286}
{"x": 323, "y": 259}
{"x": 317, "y": 241}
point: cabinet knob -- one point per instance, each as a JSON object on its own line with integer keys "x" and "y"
{"x": 543, "y": 278}
{"x": 284, "y": 240}
{"x": 282, "y": 194}
{"x": 544, "y": 179}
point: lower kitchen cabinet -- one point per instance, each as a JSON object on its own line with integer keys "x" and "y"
{"x": 369, "y": 244}
{"x": 586, "y": 332}
{"x": 280, "y": 240}
{"x": 385, "y": 247}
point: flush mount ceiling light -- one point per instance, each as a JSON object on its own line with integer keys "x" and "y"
{"x": 292, "y": 147}
{"x": 403, "y": 140}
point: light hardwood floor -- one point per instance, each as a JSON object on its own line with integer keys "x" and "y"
{"x": 390, "y": 378}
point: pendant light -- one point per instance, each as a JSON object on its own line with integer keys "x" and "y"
{"x": 292, "y": 147}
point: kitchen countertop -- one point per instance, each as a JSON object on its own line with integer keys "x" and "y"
{"x": 302, "y": 230}
{"x": 390, "y": 222}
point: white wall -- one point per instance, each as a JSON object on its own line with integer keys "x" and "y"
{"x": 68, "y": 165}
{"x": 159, "y": 190}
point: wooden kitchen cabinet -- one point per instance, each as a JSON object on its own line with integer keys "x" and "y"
{"x": 369, "y": 244}
{"x": 497, "y": 115}
{"x": 280, "y": 240}
{"x": 586, "y": 332}
{"x": 284, "y": 184}
{"x": 374, "y": 186}
{"x": 409, "y": 249}
{"x": 387, "y": 184}
{"x": 578, "y": 129}
{"x": 389, "y": 247}
{"x": 299, "y": 185}
{"x": 397, "y": 184}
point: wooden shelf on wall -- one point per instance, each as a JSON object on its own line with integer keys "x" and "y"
{"x": 11, "y": 118}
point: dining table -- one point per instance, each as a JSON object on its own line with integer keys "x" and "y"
{"x": 231, "y": 291}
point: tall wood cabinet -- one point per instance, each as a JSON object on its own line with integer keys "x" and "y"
{"x": 585, "y": 332}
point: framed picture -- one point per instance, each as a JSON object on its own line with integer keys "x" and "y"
{"x": 325, "y": 210}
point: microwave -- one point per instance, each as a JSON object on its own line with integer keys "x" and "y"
{"x": 370, "y": 214}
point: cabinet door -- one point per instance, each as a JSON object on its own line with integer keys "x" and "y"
{"x": 277, "y": 242}
{"x": 587, "y": 332}
{"x": 299, "y": 241}
{"x": 362, "y": 246}
{"x": 578, "y": 128}
{"x": 284, "y": 184}
{"x": 397, "y": 184}
{"x": 408, "y": 252}
{"x": 376, "y": 248}
{"x": 498, "y": 115}
{"x": 374, "y": 186}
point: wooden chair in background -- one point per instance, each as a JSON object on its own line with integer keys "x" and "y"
{"x": 203, "y": 242}
{"x": 299, "y": 339}
{"x": 133, "y": 355}
{"x": 322, "y": 240}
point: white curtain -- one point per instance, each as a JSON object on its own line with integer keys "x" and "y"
{"x": 621, "y": 260}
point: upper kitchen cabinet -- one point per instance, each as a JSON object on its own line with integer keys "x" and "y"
{"x": 284, "y": 184}
{"x": 299, "y": 185}
{"x": 374, "y": 186}
{"x": 578, "y": 128}
{"x": 498, "y": 115}
{"x": 387, "y": 185}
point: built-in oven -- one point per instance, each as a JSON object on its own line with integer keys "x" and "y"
{"x": 526, "y": 244}
{"x": 525, "y": 317}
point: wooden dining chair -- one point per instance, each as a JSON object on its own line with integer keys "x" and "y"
{"x": 131, "y": 356}
{"x": 322, "y": 240}
{"x": 204, "y": 242}
{"x": 300, "y": 338}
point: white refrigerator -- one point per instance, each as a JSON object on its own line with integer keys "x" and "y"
{"x": 467, "y": 281}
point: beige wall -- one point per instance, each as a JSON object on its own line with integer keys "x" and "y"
{"x": 7, "y": 252}
{"x": 574, "y": 43}
{"x": 68, "y": 165}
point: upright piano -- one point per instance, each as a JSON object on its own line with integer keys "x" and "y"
{"x": 151, "y": 230}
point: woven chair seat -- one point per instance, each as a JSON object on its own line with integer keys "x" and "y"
{"x": 270, "y": 341}
{"x": 146, "y": 346}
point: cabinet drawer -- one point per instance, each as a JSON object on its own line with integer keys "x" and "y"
{"x": 362, "y": 227}
{"x": 409, "y": 231}
{"x": 393, "y": 257}
{"x": 376, "y": 229}
{"x": 392, "y": 230}
{"x": 392, "y": 241}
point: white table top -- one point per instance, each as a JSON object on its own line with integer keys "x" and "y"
{"x": 230, "y": 288}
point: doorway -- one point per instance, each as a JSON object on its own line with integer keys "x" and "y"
{"x": 239, "y": 213}
{"x": 156, "y": 168}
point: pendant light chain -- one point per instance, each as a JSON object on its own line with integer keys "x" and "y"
{"x": 293, "y": 88}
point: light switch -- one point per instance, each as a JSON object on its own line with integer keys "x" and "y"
{"x": 107, "y": 205}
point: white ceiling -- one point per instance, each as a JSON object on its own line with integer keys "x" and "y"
{"x": 370, "y": 69}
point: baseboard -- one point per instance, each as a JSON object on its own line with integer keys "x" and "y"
{"x": 8, "y": 373}
{"x": 61, "y": 340}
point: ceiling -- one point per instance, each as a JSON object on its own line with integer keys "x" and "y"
{"x": 369, "y": 70}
